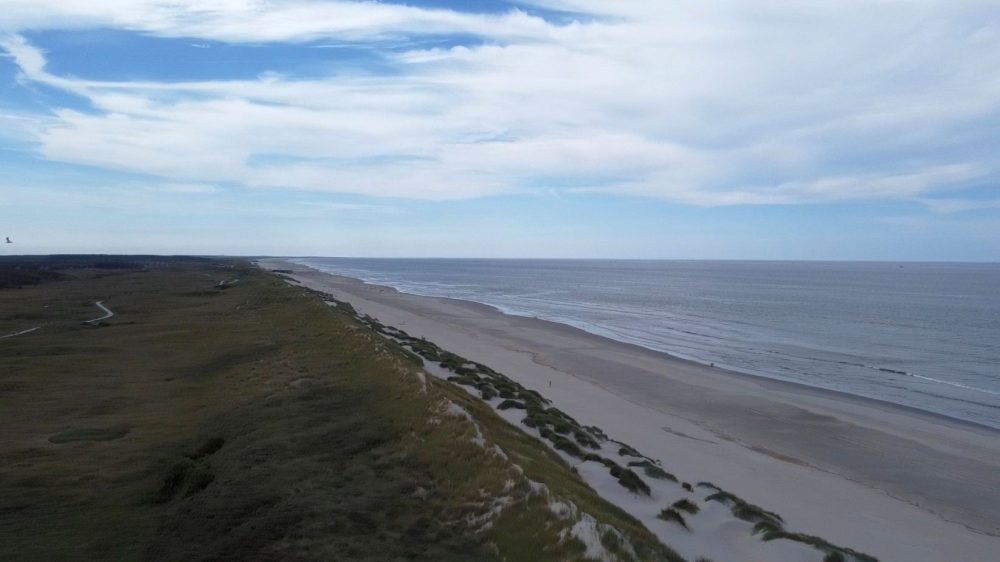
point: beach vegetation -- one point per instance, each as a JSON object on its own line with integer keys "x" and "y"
{"x": 743, "y": 509}
{"x": 769, "y": 531}
{"x": 487, "y": 392}
{"x": 464, "y": 380}
{"x": 562, "y": 444}
{"x": 627, "y": 451}
{"x": 685, "y": 505}
{"x": 585, "y": 440}
{"x": 671, "y": 514}
{"x": 630, "y": 480}
{"x": 508, "y": 404}
{"x": 653, "y": 471}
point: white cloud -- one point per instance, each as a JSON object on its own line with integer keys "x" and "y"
{"x": 711, "y": 103}
{"x": 262, "y": 21}
{"x": 943, "y": 205}
{"x": 187, "y": 188}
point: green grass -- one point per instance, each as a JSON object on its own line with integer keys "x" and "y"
{"x": 262, "y": 424}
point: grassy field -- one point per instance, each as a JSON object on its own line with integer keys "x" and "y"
{"x": 253, "y": 421}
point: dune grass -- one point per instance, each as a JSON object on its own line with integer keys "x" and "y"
{"x": 685, "y": 505}
{"x": 561, "y": 430}
{"x": 671, "y": 514}
{"x": 653, "y": 470}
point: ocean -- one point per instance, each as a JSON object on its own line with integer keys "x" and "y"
{"x": 925, "y": 335}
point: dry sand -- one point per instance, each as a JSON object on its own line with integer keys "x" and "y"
{"x": 890, "y": 481}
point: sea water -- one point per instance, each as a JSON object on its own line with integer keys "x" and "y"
{"x": 925, "y": 335}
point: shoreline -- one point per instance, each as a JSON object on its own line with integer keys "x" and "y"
{"x": 728, "y": 370}
{"x": 795, "y": 386}
{"x": 822, "y": 456}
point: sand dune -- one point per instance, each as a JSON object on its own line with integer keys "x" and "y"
{"x": 890, "y": 481}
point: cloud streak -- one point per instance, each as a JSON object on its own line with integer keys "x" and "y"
{"x": 710, "y": 103}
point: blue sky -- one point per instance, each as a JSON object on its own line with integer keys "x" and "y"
{"x": 863, "y": 129}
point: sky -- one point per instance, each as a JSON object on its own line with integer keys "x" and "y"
{"x": 709, "y": 129}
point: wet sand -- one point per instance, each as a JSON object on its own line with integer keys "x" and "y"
{"x": 893, "y": 481}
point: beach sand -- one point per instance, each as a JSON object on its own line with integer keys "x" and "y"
{"x": 895, "y": 482}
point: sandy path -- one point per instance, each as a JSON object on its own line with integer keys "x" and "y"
{"x": 107, "y": 313}
{"x": 28, "y": 331}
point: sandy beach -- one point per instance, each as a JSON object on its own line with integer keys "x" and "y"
{"x": 892, "y": 481}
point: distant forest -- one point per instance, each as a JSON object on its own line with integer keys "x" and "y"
{"x": 21, "y": 271}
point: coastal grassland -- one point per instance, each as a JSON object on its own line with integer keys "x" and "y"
{"x": 224, "y": 414}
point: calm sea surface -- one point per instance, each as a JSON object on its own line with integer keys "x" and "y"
{"x": 921, "y": 334}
